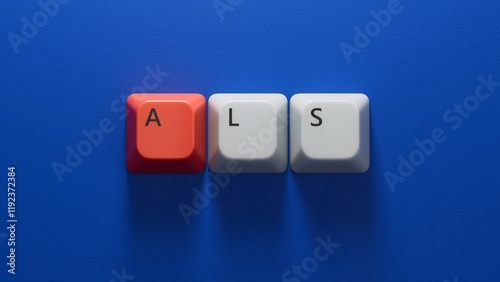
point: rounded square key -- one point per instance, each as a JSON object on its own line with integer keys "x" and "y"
{"x": 166, "y": 133}
{"x": 247, "y": 132}
{"x": 330, "y": 133}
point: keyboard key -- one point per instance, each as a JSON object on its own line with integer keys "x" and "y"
{"x": 329, "y": 133}
{"x": 247, "y": 133}
{"x": 166, "y": 133}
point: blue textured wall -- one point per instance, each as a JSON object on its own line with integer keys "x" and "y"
{"x": 437, "y": 221}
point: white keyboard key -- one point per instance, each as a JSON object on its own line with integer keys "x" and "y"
{"x": 329, "y": 133}
{"x": 247, "y": 133}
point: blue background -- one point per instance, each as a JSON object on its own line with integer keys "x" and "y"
{"x": 442, "y": 223}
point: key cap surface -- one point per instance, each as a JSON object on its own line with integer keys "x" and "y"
{"x": 166, "y": 133}
{"x": 248, "y": 131}
{"x": 329, "y": 133}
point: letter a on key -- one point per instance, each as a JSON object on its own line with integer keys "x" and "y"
{"x": 155, "y": 119}
{"x": 166, "y": 133}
